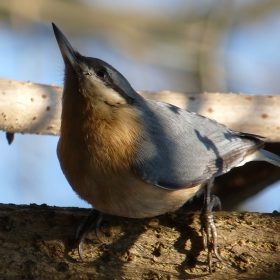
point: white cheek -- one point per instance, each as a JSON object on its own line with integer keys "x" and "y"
{"x": 113, "y": 98}
{"x": 95, "y": 88}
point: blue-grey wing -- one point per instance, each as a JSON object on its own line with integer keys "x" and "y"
{"x": 181, "y": 149}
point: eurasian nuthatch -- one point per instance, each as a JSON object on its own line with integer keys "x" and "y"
{"x": 134, "y": 157}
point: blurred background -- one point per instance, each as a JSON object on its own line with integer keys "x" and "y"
{"x": 176, "y": 45}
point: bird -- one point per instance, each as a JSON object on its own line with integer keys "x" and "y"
{"x": 134, "y": 157}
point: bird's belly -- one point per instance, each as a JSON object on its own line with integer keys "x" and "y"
{"x": 134, "y": 198}
{"x": 117, "y": 191}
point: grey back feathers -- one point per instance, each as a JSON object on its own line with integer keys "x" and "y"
{"x": 181, "y": 149}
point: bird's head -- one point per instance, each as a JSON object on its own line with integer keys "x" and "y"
{"x": 94, "y": 79}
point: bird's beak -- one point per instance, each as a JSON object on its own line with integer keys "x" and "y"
{"x": 66, "y": 49}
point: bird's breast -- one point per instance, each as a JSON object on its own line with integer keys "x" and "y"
{"x": 117, "y": 191}
{"x": 97, "y": 156}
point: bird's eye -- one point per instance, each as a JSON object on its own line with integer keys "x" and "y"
{"x": 101, "y": 73}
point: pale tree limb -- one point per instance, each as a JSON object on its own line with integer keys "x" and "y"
{"x": 38, "y": 242}
{"x": 33, "y": 108}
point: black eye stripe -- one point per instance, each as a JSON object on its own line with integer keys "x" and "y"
{"x": 102, "y": 73}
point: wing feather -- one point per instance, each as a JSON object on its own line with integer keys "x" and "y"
{"x": 180, "y": 149}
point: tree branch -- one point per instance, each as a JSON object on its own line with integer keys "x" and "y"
{"x": 38, "y": 242}
{"x": 33, "y": 108}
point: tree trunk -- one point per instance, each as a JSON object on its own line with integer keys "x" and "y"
{"x": 38, "y": 242}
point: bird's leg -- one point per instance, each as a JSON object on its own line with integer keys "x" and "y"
{"x": 208, "y": 228}
{"x": 92, "y": 221}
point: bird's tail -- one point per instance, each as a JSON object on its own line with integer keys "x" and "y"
{"x": 263, "y": 155}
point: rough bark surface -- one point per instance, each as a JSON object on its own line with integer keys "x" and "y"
{"x": 38, "y": 242}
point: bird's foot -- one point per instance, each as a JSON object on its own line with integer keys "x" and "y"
{"x": 208, "y": 228}
{"x": 91, "y": 222}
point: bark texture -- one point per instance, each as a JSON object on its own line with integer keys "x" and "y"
{"x": 38, "y": 242}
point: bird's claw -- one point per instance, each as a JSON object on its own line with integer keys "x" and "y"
{"x": 208, "y": 228}
{"x": 91, "y": 222}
